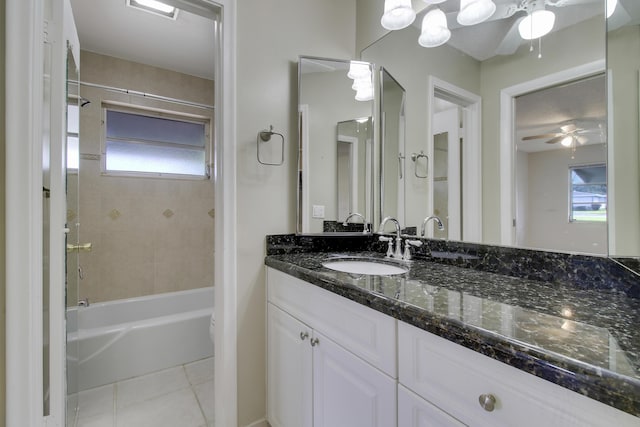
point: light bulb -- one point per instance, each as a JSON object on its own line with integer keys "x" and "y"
{"x": 434, "y": 29}
{"x": 398, "y": 14}
{"x": 536, "y": 24}
{"x": 567, "y": 141}
{"x": 611, "y": 7}
{"x": 473, "y": 12}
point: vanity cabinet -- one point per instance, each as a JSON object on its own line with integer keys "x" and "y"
{"x": 330, "y": 362}
{"x": 480, "y": 391}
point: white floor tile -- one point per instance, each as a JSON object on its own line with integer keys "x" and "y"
{"x": 179, "y": 408}
{"x": 200, "y": 371}
{"x": 95, "y": 401}
{"x": 204, "y": 393}
{"x": 146, "y": 387}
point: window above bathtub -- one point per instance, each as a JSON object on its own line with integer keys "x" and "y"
{"x": 161, "y": 144}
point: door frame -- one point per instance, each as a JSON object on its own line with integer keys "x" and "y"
{"x": 471, "y": 152}
{"x": 25, "y": 34}
{"x": 507, "y": 136}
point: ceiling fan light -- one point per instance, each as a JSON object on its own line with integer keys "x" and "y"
{"x": 473, "y": 12}
{"x": 537, "y": 24}
{"x": 398, "y": 14}
{"x": 358, "y": 70}
{"x": 434, "y": 29}
{"x": 567, "y": 141}
{"x": 611, "y": 7}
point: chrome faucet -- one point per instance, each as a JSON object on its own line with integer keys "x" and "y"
{"x": 427, "y": 219}
{"x": 365, "y": 226}
{"x": 398, "y": 252}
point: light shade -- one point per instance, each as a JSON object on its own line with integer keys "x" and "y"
{"x": 398, "y": 14}
{"x": 536, "y": 24}
{"x": 567, "y": 141}
{"x": 365, "y": 93}
{"x": 434, "y": 29}
{"x": 473, "y": 12}
{"x": 361, "y": 82}
{"x": 358, "y": 70}
{"x": 611, "y": 7}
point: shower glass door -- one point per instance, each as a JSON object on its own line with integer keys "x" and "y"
{"x": 72, "y": 265}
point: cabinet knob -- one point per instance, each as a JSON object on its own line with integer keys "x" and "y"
{"x": 304, "y": 335}
{"x": 487, "y": 401}
{"x": 314, "y": 342}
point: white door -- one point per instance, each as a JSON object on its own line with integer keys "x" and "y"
{"x": 288, "y": 370}
{"x": 414, "y": 411}
{"x": 446, "y": 174}
{"x": 347, "y": 391}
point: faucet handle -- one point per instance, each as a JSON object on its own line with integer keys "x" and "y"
{"x": 407, "y": 248}
{"x": 390, "y": 247}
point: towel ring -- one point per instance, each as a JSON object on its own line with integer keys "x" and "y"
{"x": 265, "y": 136}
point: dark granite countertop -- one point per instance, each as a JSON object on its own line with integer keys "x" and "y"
{"x": 583, "y": 339}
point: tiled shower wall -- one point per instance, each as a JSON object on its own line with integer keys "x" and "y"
{"x": 149, "y": 235}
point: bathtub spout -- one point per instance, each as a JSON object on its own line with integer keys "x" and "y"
{"x": 84, "y": 302}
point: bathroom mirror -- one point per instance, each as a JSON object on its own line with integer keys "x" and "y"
{"x": 392, "y": 147}
{"x": 335, "y": 165}
{"x": 474, "y": 66}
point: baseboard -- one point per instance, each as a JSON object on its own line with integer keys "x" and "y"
{"x": 259, "y": 423}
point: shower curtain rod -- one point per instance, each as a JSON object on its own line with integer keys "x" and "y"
{"x": 146, "y": 95}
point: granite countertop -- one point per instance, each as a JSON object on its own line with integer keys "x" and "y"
{"x": 586, "y": 340}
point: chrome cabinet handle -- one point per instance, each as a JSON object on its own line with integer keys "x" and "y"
{"x": 304, "y": 335}
{"x": 314, "y": 342}
{"x": 487, "y": 401}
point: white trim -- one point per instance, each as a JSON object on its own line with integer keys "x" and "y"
{"x": 226, "y": 299}
{"x": 507, "y": 176}
{"x": 259, "y": 423}
{"x": 303, "y": 126}
{"x": 24, "y": 84}
{"x": 471, "y": 154}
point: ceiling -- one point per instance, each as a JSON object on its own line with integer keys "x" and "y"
{"x": 110, "y": 27}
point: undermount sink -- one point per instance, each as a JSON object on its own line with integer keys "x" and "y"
{"x": 372, "y": 268}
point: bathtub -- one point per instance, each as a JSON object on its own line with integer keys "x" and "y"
{"x": 126, "y": 338}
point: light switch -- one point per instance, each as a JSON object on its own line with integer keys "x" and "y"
{"x": 318, "y": 211}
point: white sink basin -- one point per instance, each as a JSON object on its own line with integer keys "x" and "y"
{"x": 364, "y": 267}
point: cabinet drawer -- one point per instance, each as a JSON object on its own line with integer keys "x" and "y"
{"x": 414, "y": 411}
{"x": 453, "y": 378}
{"x": 365, "y": 332}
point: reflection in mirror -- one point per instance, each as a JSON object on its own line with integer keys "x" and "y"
{"x": 476, "y": 60}
{"x": 335, "y": 101}
{"x": 623, "y": 63}
{"x": 393, "y": 158}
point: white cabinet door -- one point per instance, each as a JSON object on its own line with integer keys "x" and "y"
{"x": 347, "y": 391}
{"x": 289, "y": 370}
{"x": 414, "y": 411}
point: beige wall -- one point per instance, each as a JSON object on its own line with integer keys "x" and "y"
{"x": 269, "y": 42}
{"x": 149, "y": 235}
{"x": 2, "y": 233}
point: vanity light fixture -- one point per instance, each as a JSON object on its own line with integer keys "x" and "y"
{"x": 155, "y": 7}
{"x": 358, "y": 70}
{"x": 434, "y": 29}
{"x": 473, "y": 12}
{"x": 398, "y": 14}
{"x": 611, "y": 7}
{"x": 364, "y": 93}
{"x": 537, "y": 23}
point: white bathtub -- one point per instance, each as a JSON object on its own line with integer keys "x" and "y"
{"x": 130, "y": 337}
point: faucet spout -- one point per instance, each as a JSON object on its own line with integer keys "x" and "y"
{"x": 429, "y": 218}
{"x": 365, "y": 225}
{"x": 395, "y": 222}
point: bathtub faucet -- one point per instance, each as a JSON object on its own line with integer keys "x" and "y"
{"x": 84, "y": 302}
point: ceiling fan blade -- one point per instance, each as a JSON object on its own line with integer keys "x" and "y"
{"x": 511, "y": 40}
{"x": 581, "y": 139}
{"x": 568, "y": 128}
{"x": 556, "y": 139}
{"x": 542, "y": 136}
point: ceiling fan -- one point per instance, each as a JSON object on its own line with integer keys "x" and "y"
{"x": 568, "y": 135}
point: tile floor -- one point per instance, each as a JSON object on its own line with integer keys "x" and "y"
{"x": 180, "y": 396}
